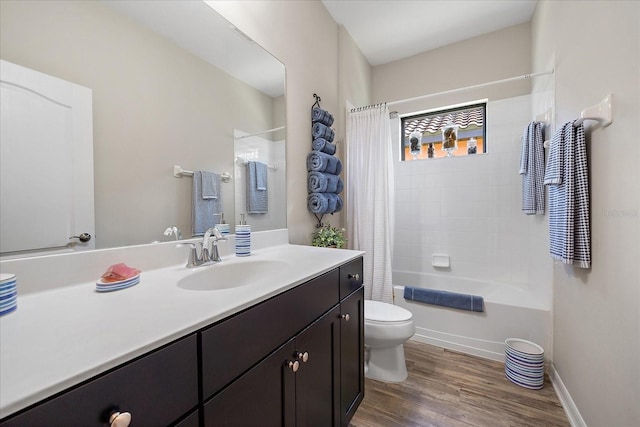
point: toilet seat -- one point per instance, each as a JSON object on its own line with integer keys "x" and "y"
{"x": 385, "y": 313}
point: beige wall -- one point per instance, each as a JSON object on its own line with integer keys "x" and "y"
{"x": 320, "y": 58}
{"x": 142, "y": 125}
{"x": 498, "y": 55}
{"x": 596, "y": 312}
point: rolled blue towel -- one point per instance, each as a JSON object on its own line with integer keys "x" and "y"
{"x": 320, "y": 182}
{"x": 321, "y": 144}
{"x": 321, "y": 131}
{"x": 321, "y": 116}
{"x": 444, "y": 298}
{"x": 338, "y": 203}
{"x": 324, "y": 203}
{"x": 323, "y": 162}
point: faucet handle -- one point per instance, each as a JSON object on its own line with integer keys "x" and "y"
{"x": 217, "y": 235}
{"x": 192, "y": 261}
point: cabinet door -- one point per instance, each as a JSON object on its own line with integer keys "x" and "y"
{"x": 351, "y": 354}
{"x": 318, "y": 379}
{"x": 156, "y": 389}
{"x": 253, "y": 334}
{"x": 263, "y": 397}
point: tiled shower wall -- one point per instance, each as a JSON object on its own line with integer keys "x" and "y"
{"x": 469, "y": 208}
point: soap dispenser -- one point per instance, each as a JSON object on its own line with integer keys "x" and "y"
{"x": 243, "y": 238}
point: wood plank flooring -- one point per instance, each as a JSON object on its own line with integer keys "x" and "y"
{"x": 450, "y": 389}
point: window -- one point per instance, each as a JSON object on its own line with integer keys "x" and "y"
{"x": 444, "y": 133}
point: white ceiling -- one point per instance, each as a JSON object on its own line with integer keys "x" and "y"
{"x": 389, "y": 30}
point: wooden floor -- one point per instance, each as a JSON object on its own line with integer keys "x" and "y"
{"x": 451, "y": 389}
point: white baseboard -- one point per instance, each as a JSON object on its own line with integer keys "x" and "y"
{"x": 570, "y": 408}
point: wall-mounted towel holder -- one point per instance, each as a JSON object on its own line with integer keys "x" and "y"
{"x": 243, "y": 162}
{"x": 178, "y": 172}
{"x": 601, "y": 112}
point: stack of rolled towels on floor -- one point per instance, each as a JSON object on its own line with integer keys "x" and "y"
{"x": 323, "y": 181}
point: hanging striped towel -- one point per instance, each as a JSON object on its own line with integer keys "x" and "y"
{"x": 532, "y": 169}
{"x": 568, "y": 179}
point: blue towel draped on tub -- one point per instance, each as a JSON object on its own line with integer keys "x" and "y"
{"x": 444, "y": 298}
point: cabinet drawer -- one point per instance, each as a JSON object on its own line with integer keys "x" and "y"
{"x": 350, "y": 277}
{"x": 234, "y": 345}
{"x": 156, "y": 389}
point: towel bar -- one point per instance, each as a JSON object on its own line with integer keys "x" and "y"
{"x": 178, "y": 172}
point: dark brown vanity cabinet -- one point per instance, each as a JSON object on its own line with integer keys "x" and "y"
{"x": 158, "y": 389}
{"x": 295, "y": 359}
{"x": 315, "y": 379}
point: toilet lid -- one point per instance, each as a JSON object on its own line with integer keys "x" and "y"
{"x": 384, "y": 312}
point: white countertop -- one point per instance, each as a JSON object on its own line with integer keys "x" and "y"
{"x": 60, "y": 337}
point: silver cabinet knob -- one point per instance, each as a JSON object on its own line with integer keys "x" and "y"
{"x": 345, "y": 317}
{"x": 293, "y": 365}
{"x": 304, "y": 356}
{"x": 119, "y": 419}
{"x": 354, "y": 276}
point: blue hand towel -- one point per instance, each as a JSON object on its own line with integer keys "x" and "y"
{"x": 319, "y": 182}
{"x": 321, "y": 116}
{"x": 322, "y": 131}
{"x": 257, "y": 200}
{"x": 322, "y": 162}
{"x": 321, "y": 144}
{"x": 324, "y": 203}
{"x": 532, "y": 169}
{"x": 444, "y": 298}
{"x": 210, "y": 185}
{"x": 205, "y": 213}
{"x": 261, "y": 176}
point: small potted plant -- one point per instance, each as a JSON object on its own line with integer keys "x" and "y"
{"x": 327, "y": 236}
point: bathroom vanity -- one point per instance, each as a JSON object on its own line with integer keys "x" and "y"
{"x": 286, "y": 350}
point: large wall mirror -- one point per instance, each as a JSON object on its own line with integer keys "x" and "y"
{"x": 173, "y": 83}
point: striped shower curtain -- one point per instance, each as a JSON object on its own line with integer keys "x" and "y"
{"x": 370, "y": 196}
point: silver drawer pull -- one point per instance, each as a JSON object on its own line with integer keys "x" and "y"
{"x": 354, "y": 276}
{"x": 302, "y": 356}
{"x": 293, "y": 365}
{"x": 119, "y": 419}
{"x": 345, "y": 317}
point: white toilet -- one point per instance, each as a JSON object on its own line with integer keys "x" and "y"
{"x": 386, "y": 328}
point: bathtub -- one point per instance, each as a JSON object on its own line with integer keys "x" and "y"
{"x": 509, "y": 312}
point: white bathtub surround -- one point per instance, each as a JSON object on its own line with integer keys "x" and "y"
{"x": 370, "y": 193}
{"x": 510, "y": 312}
{"x": 470, "y": 208}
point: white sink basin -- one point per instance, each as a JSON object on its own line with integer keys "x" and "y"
{"x": 233, "y": 275}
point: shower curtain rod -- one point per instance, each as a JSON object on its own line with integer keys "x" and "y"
{"x": 261, "y": 133}
{"x": 460, "y": 89}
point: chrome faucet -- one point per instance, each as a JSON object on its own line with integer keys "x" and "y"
{"x": 208, "y": 254}
{"x": 213, "y": 235}
{"x": 173, "y": 230}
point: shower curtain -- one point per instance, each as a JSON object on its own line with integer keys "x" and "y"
{"x": 370, "y": 196}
